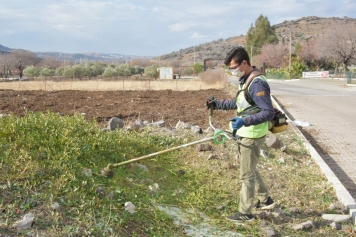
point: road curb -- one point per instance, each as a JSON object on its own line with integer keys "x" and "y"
{"x": 341, "y": 192}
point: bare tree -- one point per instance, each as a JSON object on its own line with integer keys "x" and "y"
{"x": 339, "y": 43}
{"x": 175, "y": 63}
{"x": 140, "y": 62}
{"x": 312, "y": 56}
{"x": 5, "y": 63}
{"x": 23, "y": 58}
{"x": 50, "y": 62}
{"x": 273, "y": 55}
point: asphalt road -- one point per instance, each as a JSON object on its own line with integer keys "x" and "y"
{"x": 329, "y": 106}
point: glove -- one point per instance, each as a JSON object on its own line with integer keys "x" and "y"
{"x": 236, "y": 123}
{"x": 211, "y": 102}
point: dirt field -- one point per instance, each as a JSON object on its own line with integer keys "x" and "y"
{"x": 101, "y": 106}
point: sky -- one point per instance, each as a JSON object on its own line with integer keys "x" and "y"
{"x": 144, "y": 28}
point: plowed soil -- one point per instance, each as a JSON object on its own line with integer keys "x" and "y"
{"x": 152, "y": 106}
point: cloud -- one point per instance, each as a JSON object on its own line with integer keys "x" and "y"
{"x": 197, "y": 36}
{"x": 144, "y": 27}
{"x": 177, "y": 27}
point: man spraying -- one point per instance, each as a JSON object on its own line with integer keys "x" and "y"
{"x": 254, "y": 109}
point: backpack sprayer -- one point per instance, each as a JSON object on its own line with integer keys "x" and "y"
{"x": 218, "y": 138}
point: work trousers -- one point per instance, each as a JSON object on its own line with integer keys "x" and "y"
{"x": 249, "y": 155}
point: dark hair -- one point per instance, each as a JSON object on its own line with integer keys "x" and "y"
{"x": 238, "y": 54}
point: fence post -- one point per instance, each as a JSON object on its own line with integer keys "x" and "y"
{"x": 349, "y": 76}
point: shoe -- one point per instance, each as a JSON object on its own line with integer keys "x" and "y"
{"x": 239, "y": 217}
{"x": 270, "y": 204}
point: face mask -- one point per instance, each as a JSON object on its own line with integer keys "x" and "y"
{"x": 237, "y": 73}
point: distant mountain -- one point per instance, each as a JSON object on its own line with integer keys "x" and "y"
{"x": 301, "y": 30}
{"x": 86, "y": 56}
{"x": 79, "y": 56}
{"x": 5, "y": 49}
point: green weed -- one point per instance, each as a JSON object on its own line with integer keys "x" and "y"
{"x": 47, "y": 158}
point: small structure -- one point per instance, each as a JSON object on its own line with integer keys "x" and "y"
{"x": 165, "y": 72}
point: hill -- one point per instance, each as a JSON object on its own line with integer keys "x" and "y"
{"x": 77, "y": 57}
{"x": 301, "y": 30}
{"x": 4, "y": 49}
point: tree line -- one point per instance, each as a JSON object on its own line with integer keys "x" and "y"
{"x": 26, "y": 63}
{"x": 334, "y": 49}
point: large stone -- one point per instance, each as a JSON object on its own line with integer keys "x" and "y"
{"x": 115, "y": 123}
{"x": 305, "y": 225}
{"x": 336, "y": 217}
{"x": 205, "y": 147}
{"x": 182, "y": 125}
{"x": 335, "y": 225}
{"x": 130, "y": 207}
{"x": 26, "y": 222}
{"x": 196, "y": 129}
{"x": 269, "y": 231}
{"x": 274, "y": 142}
{"x": 158, "y": 124}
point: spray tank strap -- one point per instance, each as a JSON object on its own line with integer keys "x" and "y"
{"x": 251, "y": 110}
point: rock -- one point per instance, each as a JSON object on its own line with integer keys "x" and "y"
{"x": 87, "y": 172}
{"x": 209, "y": 130}
{"x": 142, "y": 167}
{"x": 133, "y": 127}
{"x": 101, "y": 191}
{"x": 269, "y": 231}
{"x": 182, "y": 125}
{"x": 263, "y": 153}
{"x": 294, "y": 210}
{"x": 287, "y": 219}
{"x": 115, "y": 123}
{"x": 212, "y": 156}
{"x": 226, "y": 166}
{"x": 281, "y": 160}
{"x": 205, "y": 147}
{"x": 196, "y": 129}
{"x": 262, "y": 215}
{"x": 305, "y": 225}
{"x": 335, "y": 206}
{"x": 158, "y": 124}
{"x": 284, "y": 148}
{"x": 335, "y": 225}
{"x": 153, "y": 188}
{"x": 278, "y": 212}
{"x": 130, "y": 207}
{"x": 55, "y": 206}
{"x": 274, "y": 142}
{"x": 140, "y": 123}
{"x": 26, "y": 222}
{"x": 336, "y": 218}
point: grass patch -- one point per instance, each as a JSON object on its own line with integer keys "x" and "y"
{"x": 47, "y": 158}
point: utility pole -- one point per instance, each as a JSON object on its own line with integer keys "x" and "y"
{"x": 251, "y": 54}
{"x": 290, "y": 52}
{"x": 194, "y": 55}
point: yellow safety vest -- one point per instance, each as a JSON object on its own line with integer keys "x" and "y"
{"x": 253, "y": 131}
